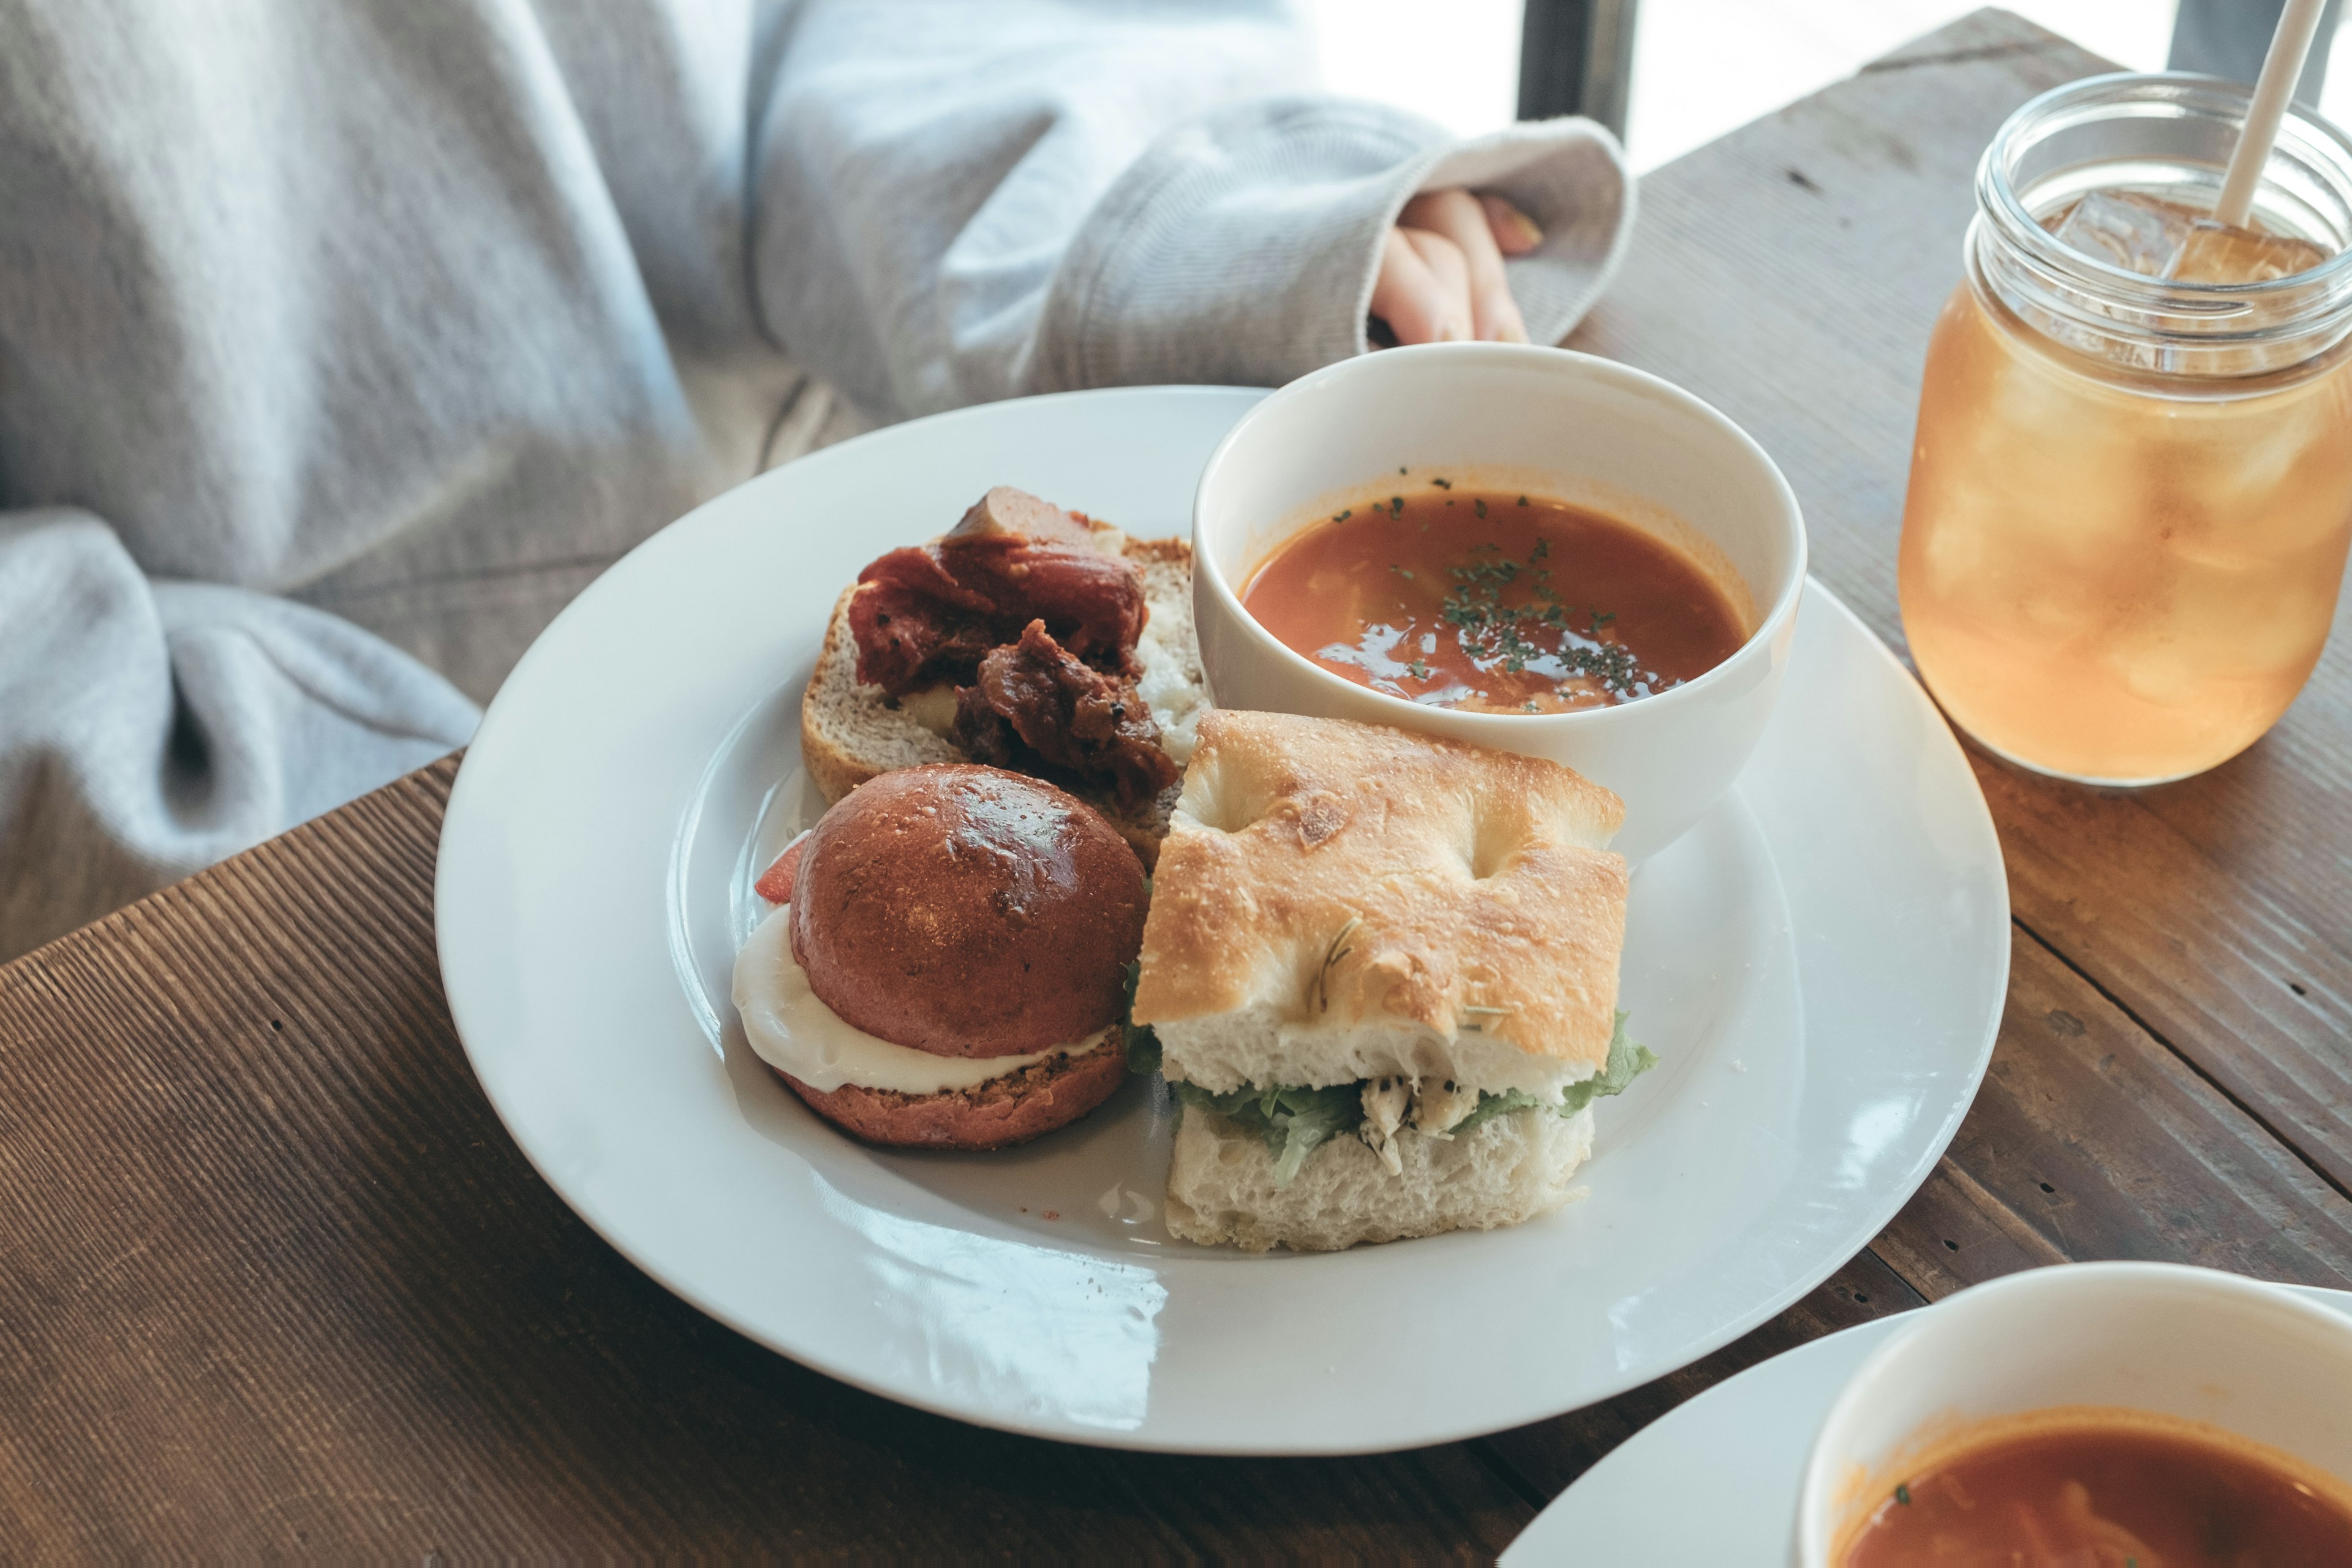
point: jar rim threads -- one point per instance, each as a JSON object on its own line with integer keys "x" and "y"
{"x": 2166, "y": 135}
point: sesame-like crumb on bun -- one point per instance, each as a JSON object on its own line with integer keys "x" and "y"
{"x": 1002, "y": 1111}
{"x": 968, "y": 911}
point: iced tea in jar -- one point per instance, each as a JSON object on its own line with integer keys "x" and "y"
{"x": 2131, "y": 490}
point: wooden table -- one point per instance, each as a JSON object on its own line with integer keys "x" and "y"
{"x": 273, "y": 1280}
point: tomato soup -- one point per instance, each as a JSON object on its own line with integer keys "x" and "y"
{"x": 2127, "y": 1494}
{"x": 1496, "y": 603}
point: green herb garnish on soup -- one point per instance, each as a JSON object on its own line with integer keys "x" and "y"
{"x": 1524, "y": 606}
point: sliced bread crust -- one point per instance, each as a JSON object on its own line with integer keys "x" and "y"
{"x": 1002, "y": 1111}
{"x": 1330, "y": 888}
{"x": 1510, "y": 1169}
{"x": 852, "y": 732}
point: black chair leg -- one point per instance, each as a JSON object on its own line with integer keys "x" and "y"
{"x": 1576, "y": 56}
{"x": 2229, "y": 37}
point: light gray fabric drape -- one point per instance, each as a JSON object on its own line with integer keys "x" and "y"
{"x": 423, "y": 310}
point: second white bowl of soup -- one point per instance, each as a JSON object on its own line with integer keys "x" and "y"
{"x": 1525, "y": 548}
{"x": 2092, "y": 1413}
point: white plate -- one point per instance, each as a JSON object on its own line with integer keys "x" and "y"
{"x": 1819, "y": 965}
{"x": 1715, "y": 1481}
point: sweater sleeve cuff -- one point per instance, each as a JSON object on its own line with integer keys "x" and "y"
{"x": 1242, "y": 248}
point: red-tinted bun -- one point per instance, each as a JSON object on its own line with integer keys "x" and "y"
{"x": 1008, "y": 1110}
{"x": 967, "y": 912}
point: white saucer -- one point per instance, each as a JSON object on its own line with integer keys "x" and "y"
{"x": 1715, "y": 1481}
{"x": 1820, "y": 964}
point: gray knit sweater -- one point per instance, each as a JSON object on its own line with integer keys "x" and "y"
{"x": 311, "y": 303}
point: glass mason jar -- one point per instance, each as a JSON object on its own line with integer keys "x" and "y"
{"x": 2130, "y": 496}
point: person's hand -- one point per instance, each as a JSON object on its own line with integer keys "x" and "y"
{"x": 1442, "y": 272}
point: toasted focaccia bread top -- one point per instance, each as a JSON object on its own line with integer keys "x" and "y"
{"x": 1345, "y": 875}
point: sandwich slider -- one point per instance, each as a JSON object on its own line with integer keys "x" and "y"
{"x": 1025, "y": 637}
{"x": 1380, "y": 971}
{"x": 946, "y": 971}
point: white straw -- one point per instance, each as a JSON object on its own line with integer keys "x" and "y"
{"x": 2282, "y": 68}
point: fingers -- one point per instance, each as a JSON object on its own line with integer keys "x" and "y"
{"x": 1451, "y": 273}
{"x": 1422, "y": 291}
{"x": 1515, "y": 232}
{"x": 1442, "y": 277}
{"x": 1463, "y": 220}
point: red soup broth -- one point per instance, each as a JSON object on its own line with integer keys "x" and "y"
{"x": 2124, "y": 1491}
{"x": 1497, "y": 602}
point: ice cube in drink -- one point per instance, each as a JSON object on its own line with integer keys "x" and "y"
{"x": 2139, "y": 234}
{"x": 2104, "y": 576}
{"x": 2216, "y": 253}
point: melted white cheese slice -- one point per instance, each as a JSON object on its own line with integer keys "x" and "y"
{"x": 793, "y": 1030}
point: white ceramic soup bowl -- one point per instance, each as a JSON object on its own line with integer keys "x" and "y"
{"x": 1519, "y": 420}
{"x": 2195, "y": 1344}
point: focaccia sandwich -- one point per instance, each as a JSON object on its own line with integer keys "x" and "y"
{"x": 1380, "y": 971}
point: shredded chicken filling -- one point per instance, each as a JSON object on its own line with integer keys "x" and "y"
{"x": 1433, "y": 1107}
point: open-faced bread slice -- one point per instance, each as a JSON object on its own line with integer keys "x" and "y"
{"x": 852, "y": 730}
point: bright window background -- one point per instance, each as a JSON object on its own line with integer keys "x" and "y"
{"x": 1701, "y": 68}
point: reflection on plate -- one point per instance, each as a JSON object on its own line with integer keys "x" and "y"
{"x": 1748, "y": 1436}
{"x": 1819, "y": 965}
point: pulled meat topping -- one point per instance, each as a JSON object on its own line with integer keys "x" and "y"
{"x": 928, "y": 614}
{"x": 1034, "y": 703}
{"x": 1037, "y": 629}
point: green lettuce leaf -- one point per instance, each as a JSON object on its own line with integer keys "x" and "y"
{"x": 1294, "y": 1122}
{"x": 1490, "y": 1106}
{"x": 1142, "y": 1045}
{"x": 1627, "y": 1061}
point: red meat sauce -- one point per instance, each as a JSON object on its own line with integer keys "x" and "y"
{"x": 1035, "y": 630}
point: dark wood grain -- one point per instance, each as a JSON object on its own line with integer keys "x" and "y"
{"x": 2232, "y": 970}
{"x": 2089, "y": 1140}
{"x": 274, "y": 1282}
